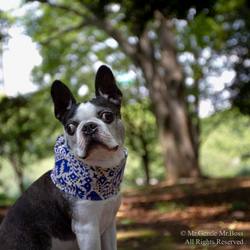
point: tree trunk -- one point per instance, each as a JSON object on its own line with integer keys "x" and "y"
{"x": 176, "y": 139}
{"x": 19, "y": 174}
{"x": 165, "y": 83}
{"x": 146, "y": 167}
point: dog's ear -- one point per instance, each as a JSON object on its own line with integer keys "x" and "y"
{"x": 105, "y": 86}
{"x": 63, "y": 99}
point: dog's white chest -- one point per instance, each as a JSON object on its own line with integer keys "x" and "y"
{"x": 94, "y": 223}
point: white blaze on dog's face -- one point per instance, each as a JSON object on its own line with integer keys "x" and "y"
{"x": 95, "y": 133}
{"x": 93, "y": 130}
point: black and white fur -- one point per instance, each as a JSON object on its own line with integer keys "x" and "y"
{"x": 45, "y": 217}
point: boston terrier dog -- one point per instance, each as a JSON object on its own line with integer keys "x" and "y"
{"x": 74, "y": 206}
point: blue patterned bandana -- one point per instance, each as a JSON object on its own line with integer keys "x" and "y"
{"x": 79, "y": 179}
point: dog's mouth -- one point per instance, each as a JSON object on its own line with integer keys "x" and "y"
{"x": 95, "y": 144}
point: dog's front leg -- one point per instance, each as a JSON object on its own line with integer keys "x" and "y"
{"x": 87, "y": 235}
{"x": 85, "y": 224}
{"x": 108, "y": 239}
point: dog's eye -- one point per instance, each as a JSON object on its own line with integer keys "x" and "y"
{"x": 71, "y": 128}
{"x": 107, "y": 117}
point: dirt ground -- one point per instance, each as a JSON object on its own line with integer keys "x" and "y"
{"x": 204, "y": 214}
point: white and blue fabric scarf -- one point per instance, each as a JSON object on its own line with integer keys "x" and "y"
{"x": 75, "y": 177}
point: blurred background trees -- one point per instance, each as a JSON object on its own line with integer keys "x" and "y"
{"x": 146, "y": 36}
{"x": 169, "y": 58}
{"x": 23, "y": 141}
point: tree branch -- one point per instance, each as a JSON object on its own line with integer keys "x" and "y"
{"x": 129, "y": 49}
{"x": 59, "y": 6}
{"x": 103, "y": 24}
{"x": 99, "y": 22}
{"x": 62, "y": 32}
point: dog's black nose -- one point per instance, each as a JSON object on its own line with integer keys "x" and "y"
{"x": 89, "y": 128}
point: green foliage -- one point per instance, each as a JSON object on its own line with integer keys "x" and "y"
{"x": 238, "y": 205}
{"x": 22, "y": 119}
{"x": 27, "y": 130}
{"x": 16, "y": 132}
{"x": 141, "y": 126}
{"x": 168, "y": 206}
{"x": 5, "y": 23}
{"x": 226, "y": 144}
{"x": 142, "y": 141}
{"x": 6, "y": 201}
{"x": 127, "y": 222}
{"x": 70, "y": 46}
{"x": 210, "y": 45}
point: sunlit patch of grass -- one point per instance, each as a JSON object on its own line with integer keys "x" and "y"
{"x": 144, "y": 239}
{"x": 138, "y": 234}
{"x": 166, "y": 243}
{"x": 127, "y": 222}
{"x": 166, "y": 206}
{"x": 238, "y": 205}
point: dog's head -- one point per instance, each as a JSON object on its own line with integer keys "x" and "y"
{"x": 93, "y": 130}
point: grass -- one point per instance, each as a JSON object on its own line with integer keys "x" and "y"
{"x": 144, "y": 239}
{"x": 138, "y": 234}
{"x": 238, "y": 205}
{"x": 127, "y": 222}
{"x": 167, "y": 206}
